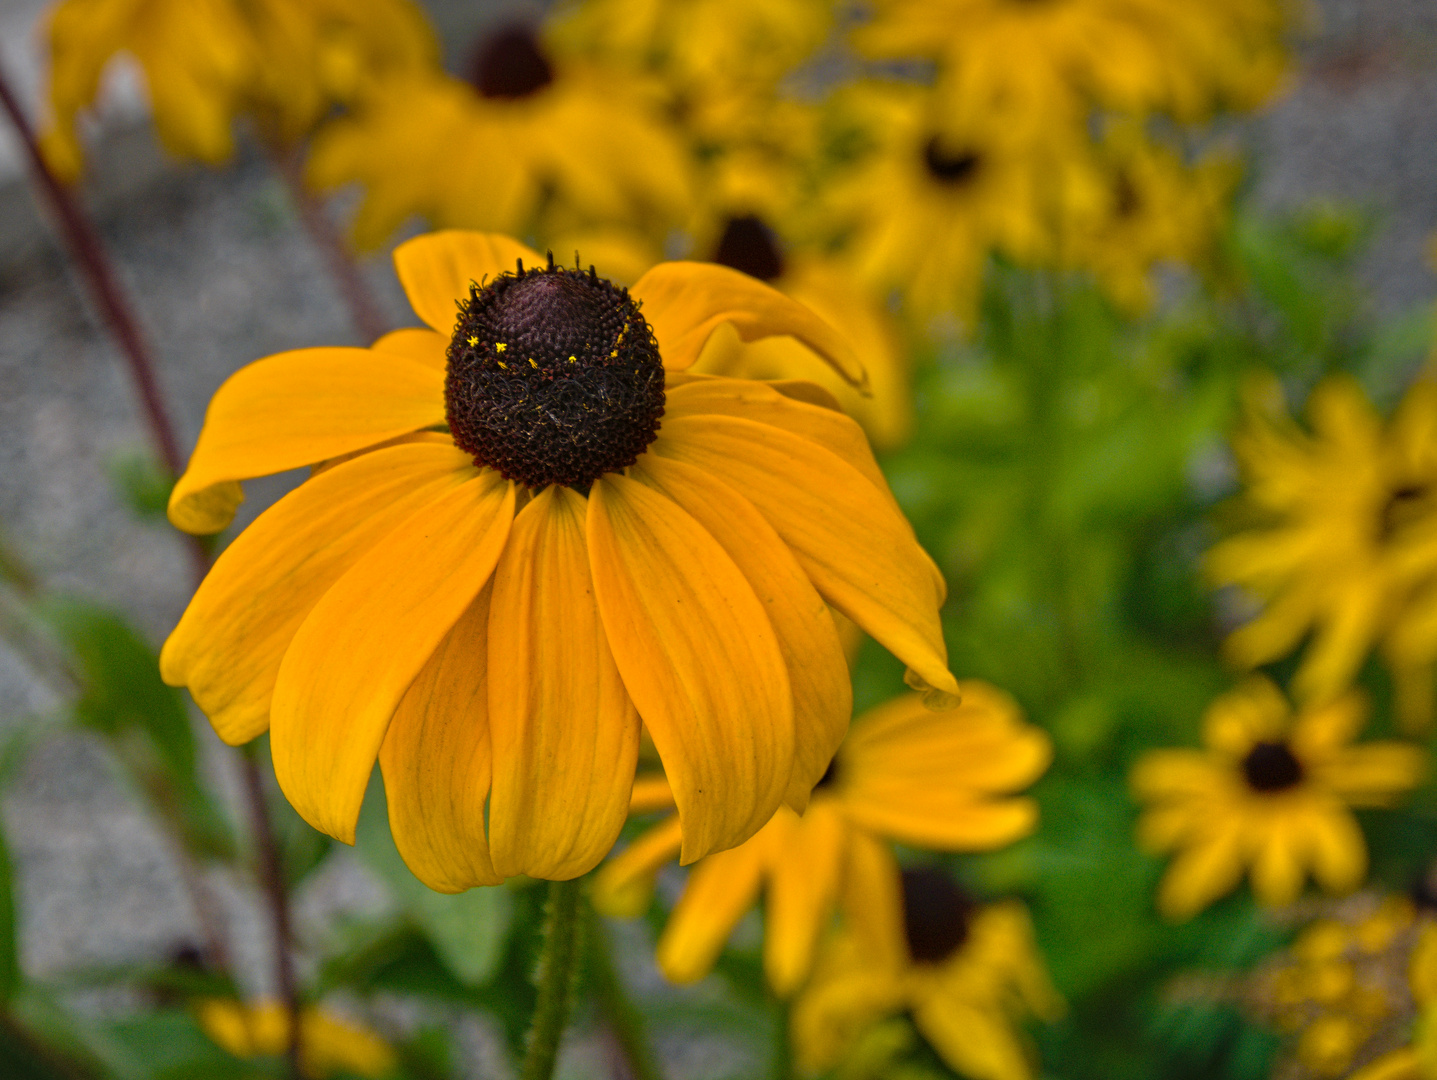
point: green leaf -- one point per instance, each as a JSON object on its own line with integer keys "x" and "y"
{"x": 467, "y": 929}
{"x": 123, "y": 698}
{"x": 143, "y": 483}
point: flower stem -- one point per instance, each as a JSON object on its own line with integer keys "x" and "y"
{"x": 624, "y": 1020}
{"x": 94, "y": 266}
{"x": 557, "y": 967}
{"x": 271, "y": 877}
{"x": 364, "y": 310}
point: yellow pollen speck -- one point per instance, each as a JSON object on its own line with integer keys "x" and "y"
{"x": 473, "y": 341}
{"x": 614, "y": 353}
{"x": 573, "y": 360}
{"x": 500, "y": 346}
{"x": 531, "y": 363}
{"x": 503, "y": 365}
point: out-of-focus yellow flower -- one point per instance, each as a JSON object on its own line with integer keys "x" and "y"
{"x": 285, "y": 62}
{"x": 1271, "y": 792}
{"x": 934, "y": 779}
{"x": 885, "y": 406}
{"x": 1347, "y": 535}
{"x": 1338, "y": 987}
{"x": 1417, "y": 1060}
{"x": 328, "y": 1044}
{"x": 967, "y": 973}
{"x": 492, "y": 599}
{"x": 487, "y": 154}
{"x": 1035, "y": 68}
{"x": 1155, "y": 209}
{"x": 926, "y": 207}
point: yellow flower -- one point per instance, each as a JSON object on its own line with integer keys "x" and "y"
{"x": 504, "y": 565}
{"x": 328, "y": 1044}
{"x": 966, "y": 973}
{"x": 1347, "y": 532}
{"x": 1270, "y": 792}
{"x": 927, "y": 206}
{"x": 488, "y": 155}
{"x": 1154, "y": 209}
{"x": 1033, "y": 68}
{"x": 905, "y": 772}
{"x": 885, "y": 406}
{"x": 207, "y": 61}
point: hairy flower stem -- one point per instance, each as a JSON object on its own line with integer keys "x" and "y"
{"x": 271, "y": 876}
{"x": 618, "y": 1010}
{"x": 558, "y": 964}
{"x": 364, "y": 310}
{"x": 94, "y": 265}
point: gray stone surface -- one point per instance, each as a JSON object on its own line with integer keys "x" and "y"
{"x": 222, "y": 275}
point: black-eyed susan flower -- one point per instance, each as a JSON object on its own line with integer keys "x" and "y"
{"x": 1037, "y": 68}
{"x": 1340, "y": 990}
{"x": 926, "y": 207}
{"x": 283, "y": 62}
{"x": 528, "y": 127}
{"x": 885, "y": 409}
{"x": 967, "y": 973}
{"x": 933, "y": 779}
{"x": 529, "y": 531}
{"x": 1271, "y": 794}
{"x": 328, "y": 1044}
{"x": 1344, "y": 537}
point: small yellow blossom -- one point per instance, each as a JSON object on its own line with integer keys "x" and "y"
{"x": 1270, "y": 793}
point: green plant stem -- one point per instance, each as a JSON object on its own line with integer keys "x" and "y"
{"x": 624, "y": 1020}
{"x": 781, "y": 1068}
{"x": 557, "y": 966}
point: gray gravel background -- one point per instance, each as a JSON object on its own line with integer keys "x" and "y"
{"x": 222, "y": 275}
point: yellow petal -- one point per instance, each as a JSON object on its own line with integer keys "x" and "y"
{"x": 857, "y": 550}
{"x": 1337, "y": 850}
{"x": 817, "y": 668}
{"x": 437, "y": 761}
{"x": 684, "y": 302}
{"x": 366, "y": 641}
{"x": 975, "y": 1039}
{"x": 229, "y": 643}
{"x": 719, "y": 890}
{"x": 699, "y": 658}
{"x": 436, "y": 269}
{"x": 1279, "y": 869}
{"x": 566, "y": 737}
{"x": 802, "y": 893}
{"x": 1372, "y": 774}
{"x": 624, "y": 885}
{"x": 872, "y": 901}
{"x": 1199, "y": 875}
{"x": 946, "y": 821}
{"x": 422, "y": 346}
{"x": 295, "y": 409}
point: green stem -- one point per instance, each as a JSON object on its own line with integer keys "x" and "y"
{"x": 619, "y": 1012}
{"x": 781, "y": 1068}
{"x": 557, "y": 965}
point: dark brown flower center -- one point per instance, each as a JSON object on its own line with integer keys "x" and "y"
{"x": 1271, "y": 766}
{"x": 830, "y": 775}
{"x": 748, "y": 244}
{"x": 951, "y": 165}
{"x": 553, "y": 378}
{"x": 936, "y": 914}
{"x": 1126, "y": 200}
{"x": 509, "y": 63}
{"x": 1405, "y": 505}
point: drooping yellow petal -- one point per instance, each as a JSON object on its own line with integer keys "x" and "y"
{"x": 1336, "y": 849}
{"x": 366, "y": 641}
{"x": 946, "y": 821}
{"x": 229, "y": 643}
{"x": 803, "y": 885}
{"x": 699, "y": 658}
{"x": 857, "y": 550}
{"x": 295, "y": 409}
{"x": 719, "y": 890}
{"x": 566, "y": 736}
{"x": 684, "y": 302}
{"x": 817, "y": 668}
{"x": 1278, "y": 869}
{"x": 872, "y": 901}
{"x": 975, "y": 1037}
{"x": 437, "y": 761}
{"x": 1200, "y": 874}
{"x": 422, "y": 346}
{"x": 624, "y": 885}
{"x": 436, "y": 269}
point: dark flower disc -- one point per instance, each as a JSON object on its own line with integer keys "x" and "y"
{"x": 951, "y": 166}
{"x": 510, "y": 63}
{"x": 553, "y": 378}
{"x": 748, "y": 244}
{"x": 936, "y": 913}
{"x": 1271, "y": 766}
